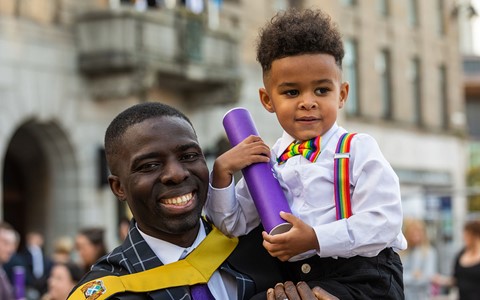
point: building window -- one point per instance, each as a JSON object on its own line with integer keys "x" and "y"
{"x": 412, "y": 10}
{"x": 416, "y": 92}
{"x": 350, "y": 74}
{"x": 444, "y": 107}
{"x": 383, "y": 67}
{"x": 439, "y": 19}
{"x": 383, "y": 7}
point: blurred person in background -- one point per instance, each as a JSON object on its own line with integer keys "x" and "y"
{"x": 419, "y": 261}
{"x": 90, "y": 245}
{"x": 467, "y": 263}
{"x": 8, "y": 245}
{"x": 62, "y": 249}
{"x": 63, "y": 277}
{"x": 466, "y": 271}
{"x": 37, "y": 264}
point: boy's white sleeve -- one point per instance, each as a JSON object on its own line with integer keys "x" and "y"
{"x": 231, "y": 209}
{"x": 376, "y": 206}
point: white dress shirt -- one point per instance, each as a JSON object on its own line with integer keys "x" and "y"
{"x": 221, "y": 287}
{"x": 375, "y": 199}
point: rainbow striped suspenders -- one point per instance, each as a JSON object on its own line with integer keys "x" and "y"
{"x": 342, "y": 177}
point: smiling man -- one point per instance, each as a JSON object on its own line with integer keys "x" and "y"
{"x": 158, "y": 168}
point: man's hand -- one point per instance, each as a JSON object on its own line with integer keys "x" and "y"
{"x": 251, "y": 150}
{"x": 300, "y": 238}
{"x": 301, "y": 291}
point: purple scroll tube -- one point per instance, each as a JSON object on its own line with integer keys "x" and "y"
{"x": 265, "y": 189}
{"x": 19, "y": 282}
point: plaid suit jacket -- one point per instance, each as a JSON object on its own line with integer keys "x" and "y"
{"x": 134, "y": 255}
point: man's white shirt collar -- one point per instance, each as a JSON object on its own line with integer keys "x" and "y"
{"x": 168, "y": 252}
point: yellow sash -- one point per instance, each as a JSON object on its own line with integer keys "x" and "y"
{"x": 196, "y": 268}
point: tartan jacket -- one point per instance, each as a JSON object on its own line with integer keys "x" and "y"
{"x": 134, "y": 255}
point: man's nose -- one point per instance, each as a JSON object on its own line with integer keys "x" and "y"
{"x": 174, "y": 172}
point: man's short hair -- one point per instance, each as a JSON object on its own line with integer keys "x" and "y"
{"x": 296, "y": 32}
{"x": 134, "y": 115}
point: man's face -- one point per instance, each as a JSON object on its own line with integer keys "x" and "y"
{"x": 163, "y": 176}
{"x": 8, "y": 245}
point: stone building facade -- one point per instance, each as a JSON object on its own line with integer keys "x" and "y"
{"x": 68, "y": 67}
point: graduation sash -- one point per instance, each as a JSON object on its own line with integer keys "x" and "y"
{"x": 196, "y": 268}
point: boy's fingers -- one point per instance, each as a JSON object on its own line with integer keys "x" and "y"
{"x": 288, "y": 217}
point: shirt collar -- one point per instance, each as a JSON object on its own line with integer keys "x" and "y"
{"x": 168, "y": 252}
{"x": 287, "y": 139}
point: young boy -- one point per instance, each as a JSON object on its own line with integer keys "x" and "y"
{"x": 347, "y": 250}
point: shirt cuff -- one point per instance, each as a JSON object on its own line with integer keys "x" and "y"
{"x": 222, "y": 199}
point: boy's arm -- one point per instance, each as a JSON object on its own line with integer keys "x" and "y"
{"x": 376, "y": 206}
{"x": 234, "y": 212}
{"x": 300, "y": 238}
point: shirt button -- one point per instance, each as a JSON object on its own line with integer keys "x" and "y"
{"x": 306, "y": 268}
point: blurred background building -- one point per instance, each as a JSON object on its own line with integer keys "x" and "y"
{"x": 68, "y": 67}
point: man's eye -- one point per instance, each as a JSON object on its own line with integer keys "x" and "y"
{"x": 148, "y": 167}
{"x": 190, "y": 156}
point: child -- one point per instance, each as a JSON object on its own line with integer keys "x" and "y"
{"x": 351, "y": 257}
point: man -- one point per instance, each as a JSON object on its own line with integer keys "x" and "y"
{"x": 8, "y": 246}
{"x": 158, "y": 168}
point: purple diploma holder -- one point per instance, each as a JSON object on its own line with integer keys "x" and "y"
{"x": 265, "y": 189}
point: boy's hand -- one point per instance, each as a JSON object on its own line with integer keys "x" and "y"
{"x": 300, "y": 238}
{"x": 251, "y": 150}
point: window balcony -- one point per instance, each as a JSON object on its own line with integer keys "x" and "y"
{"x": 162, "y": 47}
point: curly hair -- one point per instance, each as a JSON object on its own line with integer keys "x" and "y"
{"x": 295, "y": 32}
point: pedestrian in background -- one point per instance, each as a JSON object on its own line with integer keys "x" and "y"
{"x": 467, "y": 264}
{"x": 90, "y": 245}
{"x": 62, "y": 249}
{"x": 419, "y": 261}
{"x": 37, "y": 264}
{"x": 63, "y": 277}
{"x": 9, "y": 239}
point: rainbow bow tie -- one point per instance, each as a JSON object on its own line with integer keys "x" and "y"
{"x": 309, "y": 149}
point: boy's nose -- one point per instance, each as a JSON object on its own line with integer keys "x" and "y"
{"x": 308, "y": 102}
{"x": 173, "y": 172}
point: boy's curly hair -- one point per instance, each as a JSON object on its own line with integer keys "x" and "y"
{"x": 295, "y": 32}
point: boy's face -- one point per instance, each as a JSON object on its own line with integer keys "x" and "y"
{"x": 163, "y": 176}
{"x": 305, "y": 92}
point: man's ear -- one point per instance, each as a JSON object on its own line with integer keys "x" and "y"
{"x": 344, "y": 88}
{"x": 265, "y": 99}
{"x": 116, "y": 187}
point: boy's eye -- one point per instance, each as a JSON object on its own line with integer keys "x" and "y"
{"x": 321, "y": 91}
{"x": 291, "y": 93}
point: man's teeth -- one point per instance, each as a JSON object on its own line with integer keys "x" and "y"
{"x": 182, "y": 200}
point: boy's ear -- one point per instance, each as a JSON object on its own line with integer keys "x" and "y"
{"x": 116, "y": 187}
{"x": 344, "y": 88}
{"x": 265, "y": 99}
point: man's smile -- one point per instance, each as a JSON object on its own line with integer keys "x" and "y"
{"x": 178, "y": 201}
